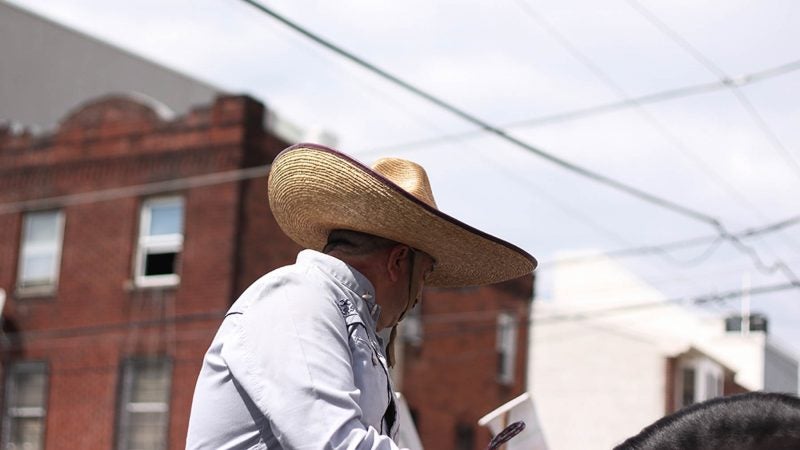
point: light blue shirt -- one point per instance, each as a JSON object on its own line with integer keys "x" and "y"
{"x": 296, "y": 364}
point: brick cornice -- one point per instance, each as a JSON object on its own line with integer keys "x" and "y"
{"x": 39, "y": 181}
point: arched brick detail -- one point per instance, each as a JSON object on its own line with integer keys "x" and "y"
{"x": 111, "y": 110}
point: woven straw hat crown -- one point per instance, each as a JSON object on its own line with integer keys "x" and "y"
{"x": 409, "y": 176}
{"x": 314, "y": 190}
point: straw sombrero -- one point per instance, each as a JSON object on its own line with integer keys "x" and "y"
{"x": 314, "y": 190}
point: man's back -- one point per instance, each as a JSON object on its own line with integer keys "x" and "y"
{"x": 294, "y": 365}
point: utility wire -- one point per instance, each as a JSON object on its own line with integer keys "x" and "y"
{"x": 99, "y": 329}
{"x": 488, "y": 127}
{"x": 719, "y": 73}
{"x": 137, "y": 190}
{"x": 700, "y": 300}
{"x": 15, "y": 337}
{"x": 589, "y": 314}
{"x": 260, "y": 171}
{"x": 610, "y": 182}
{"x": 748, "y": 106}
{"x": 661, "y": 129}
{"x": 587, "y": 62}
{"x": 684, "y": 243}
{"x": 660, "y": 96}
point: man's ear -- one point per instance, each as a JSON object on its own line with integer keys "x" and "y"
{"x": 398, "y": 255}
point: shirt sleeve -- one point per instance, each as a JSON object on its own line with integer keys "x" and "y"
{"x": 290, "y": 354}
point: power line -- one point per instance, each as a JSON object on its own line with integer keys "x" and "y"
{"x": 587, "y": 62}
{"x": 488, "y": 127}
{"x": 588, "y": 314}
{"x": 706, "y": 62}
{"x": 98, "y": 329}
{"x": 639, "y": 108}
{"x": 175, "y": 184}
{"x": 700, "y": 300}
{"x": 670, "y": 137}
{"x": 580, "y": 113}
{"x": 608, "y": 181}
{"x": 684, "y": 243}
{"x": 719, "y": 73}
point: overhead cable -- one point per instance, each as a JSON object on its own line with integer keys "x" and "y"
{"x": 586, "y": 314}
{"x": 713, "y": 68}
{"x": 699, "y": 300}
{"x": 618, "y": 185}
{"x": 135, "y": 190}
{"x": 607, "y": 80}
{"x": 674, "y": 245}
{"x": 595, "y": 313}
{"x": 602, "y": 179}
{"x": 719, "y": 73}
{"x": 580, "y": 113}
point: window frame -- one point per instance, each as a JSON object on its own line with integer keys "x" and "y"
{"x": 48, "y": 286}
{"x": 147, "y": 244}
{"x": 21, "y": 368}
{"x": 703, "y": 369}
{"x": 126, "y": 408}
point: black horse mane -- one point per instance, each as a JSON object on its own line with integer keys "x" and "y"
{"x": 751, "y": 421}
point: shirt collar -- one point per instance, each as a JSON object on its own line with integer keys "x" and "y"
{"x": 347, "y": 276}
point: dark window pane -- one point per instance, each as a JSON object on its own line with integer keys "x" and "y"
{"x": 160, "y": 264}
{"x": 688, "y": 387}
{"x": 733, "y": 324}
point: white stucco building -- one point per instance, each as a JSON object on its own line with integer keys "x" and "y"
{"x": 605, "y": 362}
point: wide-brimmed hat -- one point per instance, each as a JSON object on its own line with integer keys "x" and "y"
{"x": 314, "y": 190}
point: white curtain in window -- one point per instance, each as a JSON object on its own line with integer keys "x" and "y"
{"x": 41, "y": 247}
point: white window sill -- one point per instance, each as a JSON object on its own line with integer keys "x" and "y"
{"x": 41, "y": 290}
{"x": 158, "y": 281}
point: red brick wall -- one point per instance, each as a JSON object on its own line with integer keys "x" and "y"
{"x": 451, "y": 378}
{"x": 261, "y": 243}
{"x": 97, "y": 317}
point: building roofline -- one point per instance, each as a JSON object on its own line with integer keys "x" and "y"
{"x": 117, "y": 47}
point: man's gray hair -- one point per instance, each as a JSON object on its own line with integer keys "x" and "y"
{"x": 356, "y": 243}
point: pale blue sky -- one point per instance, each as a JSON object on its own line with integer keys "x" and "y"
{"x": 734, "y": 158}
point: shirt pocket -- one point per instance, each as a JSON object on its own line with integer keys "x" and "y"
{"x": 370, "y": 378}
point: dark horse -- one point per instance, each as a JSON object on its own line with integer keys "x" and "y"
{"x": 752, "y": 421}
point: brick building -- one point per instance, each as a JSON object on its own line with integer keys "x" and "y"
{"x": 467, "y": 359}
{"x": 126, "y": 236}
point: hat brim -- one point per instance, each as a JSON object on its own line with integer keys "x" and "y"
{"x": 314, "y": 190}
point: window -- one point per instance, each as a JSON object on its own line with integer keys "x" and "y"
{"x": 144, "y": 404}
{"x": 40, "y": 252}
{"x": 160, "y": 242}
{"x": 24, "y": 418}
{"x": 699, "y": 379}
{"x": 506, "y": 347}
{"x": 689, "y": 392}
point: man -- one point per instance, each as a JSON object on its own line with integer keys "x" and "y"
{"x": 297, "y": 361}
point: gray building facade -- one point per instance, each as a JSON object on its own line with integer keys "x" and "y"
{"x": 48, "y": 69}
